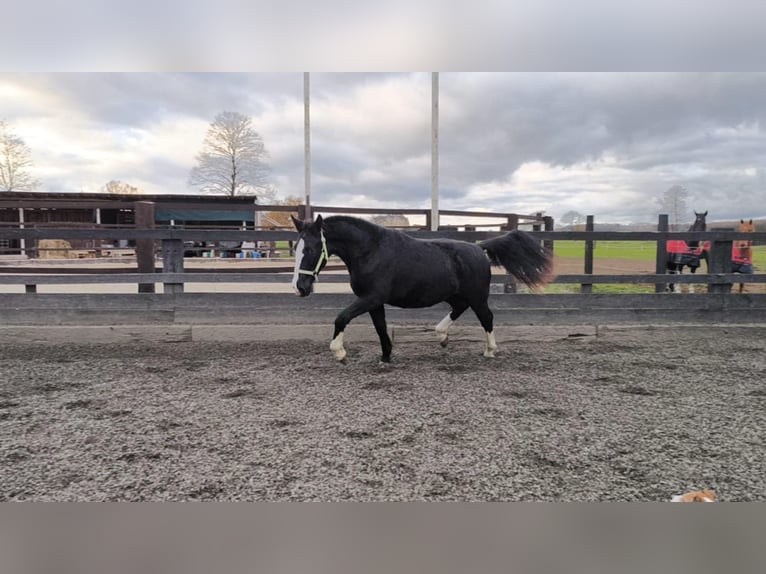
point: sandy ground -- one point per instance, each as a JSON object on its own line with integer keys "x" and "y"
{"x": 630, "y": 414}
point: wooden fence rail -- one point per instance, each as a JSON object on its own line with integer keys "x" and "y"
{"x": 173, "y": 275}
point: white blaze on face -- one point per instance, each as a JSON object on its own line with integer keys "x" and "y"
{"x": 298, "y": 259}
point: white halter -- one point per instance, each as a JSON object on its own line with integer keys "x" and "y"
{"x": 322, "y": 259}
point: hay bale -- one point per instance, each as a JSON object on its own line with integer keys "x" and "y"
{"x": 53, "y": 249}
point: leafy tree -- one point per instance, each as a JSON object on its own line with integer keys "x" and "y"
{"x": 120, "y": 188}
{"x": 234, "y": 160}
{"x": 673, "y": 202}
{"x": 15, "y": 159}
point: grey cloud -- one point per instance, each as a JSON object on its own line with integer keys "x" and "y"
{"x": 699, "y": 130}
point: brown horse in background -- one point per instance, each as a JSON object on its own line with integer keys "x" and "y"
{"x": 742, "y": 253}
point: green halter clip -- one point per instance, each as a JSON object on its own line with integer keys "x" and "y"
{"x": 322, "y": 259}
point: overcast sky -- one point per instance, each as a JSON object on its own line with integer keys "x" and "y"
{"x": 605, "y": 144}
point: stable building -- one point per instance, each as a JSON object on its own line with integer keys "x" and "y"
{"x": 37, "y": 209}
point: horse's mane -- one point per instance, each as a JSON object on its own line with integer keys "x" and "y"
{"x": 362, "y": 225}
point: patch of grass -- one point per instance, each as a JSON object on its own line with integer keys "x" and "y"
{"x": 635, "y": 250}
{"x": 759, "y": 258}
{"x": 623, "y": 288}
{"x": 616, "y": 288}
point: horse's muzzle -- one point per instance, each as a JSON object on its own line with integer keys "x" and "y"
{"x": 305, "y": 286}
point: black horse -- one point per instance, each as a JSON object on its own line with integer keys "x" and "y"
{"x": 689, "y": 254}
{"x": 390, "y": 267}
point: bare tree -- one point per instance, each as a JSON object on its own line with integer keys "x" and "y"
{"x": 233, "y": 160}
{"x": 15, "y": 158}
{"x": 282, "y": 218}
{"x": 118, "y": 187}
{"x": 572, "y": 218}
{"x": 673, "y": 202}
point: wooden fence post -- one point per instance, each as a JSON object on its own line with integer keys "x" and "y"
{"x": 173, "y": 262}
{"x": 662, "y": 253}
{"x": 144, "y": 215}
{"x": 548, "y": 226}
{"x": 588, "y": 267}
{"x": 719, "y": 261}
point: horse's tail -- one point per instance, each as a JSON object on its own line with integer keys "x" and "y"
{"x": 522, "y": 256}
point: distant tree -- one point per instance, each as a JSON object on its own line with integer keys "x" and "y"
{"x": 234, "y": 160}
{"x": 391, "y": 220}
{"x": 282, "y": 218}
{"x": 572, "y": 218}
{"x": 120, "y": 188}
{"x": 15, "y": 159}
{"x": 673, "y": 202}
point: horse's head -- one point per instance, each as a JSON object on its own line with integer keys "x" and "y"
{"x": 745, "y": 227}
{"x": 699, "y": 222}
{"x": 310, "y": 255}
{"x": 698, "y": 225}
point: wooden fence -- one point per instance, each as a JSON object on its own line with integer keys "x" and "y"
{"x": 173, "y": 305}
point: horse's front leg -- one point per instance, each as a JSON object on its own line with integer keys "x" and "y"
{"x": 677, "y": 287}
{"x": 378, "y": 315}
{"x": 344, "y": 318}
{"x": 692, "y": 270}
{"x": 672, "y": 269}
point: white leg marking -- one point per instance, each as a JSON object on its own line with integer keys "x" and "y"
{"x": 443, "y": 327}
{"x": 336, "y": 346}
{"x": 491, "y": 345}
{"x": 691, "y": 288}
{"x": 298, "y": 259}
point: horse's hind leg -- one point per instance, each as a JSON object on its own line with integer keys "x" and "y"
{"x": 378, "y": 315}
{"x": 486, "y": 319}
{"x": 458, "y": 306}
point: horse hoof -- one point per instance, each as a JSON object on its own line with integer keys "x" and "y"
{"x": 489, "y": 354}
{"x": 341, "y": 356}
{"x": 384, "y": 365}
{"x": 444, "y": 342}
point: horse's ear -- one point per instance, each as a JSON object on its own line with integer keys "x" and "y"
{"x": 742, "y": 221}
{"x": 750, "y": 222}
{"x": 297, "y": 223}
{"x": 318, "y": 222}
{"x": 705, "y": 214}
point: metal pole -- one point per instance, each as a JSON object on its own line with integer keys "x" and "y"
{"x": 22, "y": 241}
{"x": 434, "y": 151}
{"x": 307, "y": 142}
